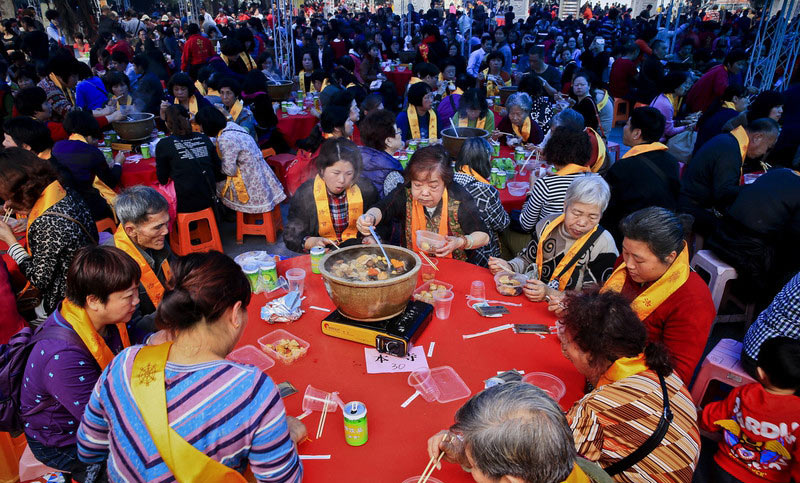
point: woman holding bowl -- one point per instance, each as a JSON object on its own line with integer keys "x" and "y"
{"x": 429, "y": 200}
{"x": 183, "y": 91}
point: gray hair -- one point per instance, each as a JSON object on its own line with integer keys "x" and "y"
{"x": 661, "y": 229}
{"x": 136, "y": 203}
{"x": 591, "y": 189}
{"x": 568, "y": 118}
{"x": 521, "y": 100}
{"x": 516, "y": 429}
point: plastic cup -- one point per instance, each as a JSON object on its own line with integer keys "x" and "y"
{"x": 442, "y": 300}
{"x": 477, "y": 290}
{"x": 548, "y": 383}
{"x": 314, "y": 400}
{"x": 427, "y": 271}
{"x": 423, "y": 382}
{"x": 296, "y": 278}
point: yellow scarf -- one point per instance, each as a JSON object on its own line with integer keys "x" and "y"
{"x": 152, "y": 285}
{"x": 414, "y": 80}
{"x": 107, "y": 193}
{"x": 128, "y": 101}
{"x": 355, "y": 208}
{"x": 248, "y": 61}
{"x": 729, "y": 105}
{"x": 67, "y": 92}
{"x": 480, "y": 123}
{"x": 601, "y": 150}
{"x": 649, "y": 300}
{"x": 236, "y": 110}
{"x": 572, "y": 169}
{"x": 742, "y": 139}
{"x": 302, "y": 78}
{"x": 622, "y": 368}
{"x": 236, "y": 181}
{"x": 46, "y": 154}
{"x": 212, "y": 92}
{"x": 413, "y": 123}
{"x": 526, "y": 130}
{"x": 199, "y": 86}
{"x": 187, "y": 464}
{"x": 577, "y": 476}
{"x": 458, "y": 91}
{"x": 603, "y": 101}
{"x": 468, "y": 170}
{"x": 79, "y": 320}
{"x": 644, "y": 148}
{"x": 419, "y": 221}
{"x": 192, "y": 103}
{"x": 675, "y": 101}
{"x": 492, "y": 89}
{"x": 573, "y": 250}
{"x": 51, "y": 195}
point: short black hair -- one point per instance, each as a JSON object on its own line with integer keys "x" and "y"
{"x": 29, "y": 100}
{"x": 567, "y": 146}
{"x": 63, "y": 65}
{"x": 416, "y": 92}
{"x": 779, "y": 358}
{"x": 181, "y": 79}
{"x": 339, "y": 149}
{"x": 51, "y": 14}
{"x": 231, "y": 84}
{"x": 119, "y": 57}
{"x": 82, "y": 122}
{"x": 764, "y": 125}
{"x": 495, "y": 55}
{"x": 140, "y": 60}
{"x": 735, "y": 56}
{"x": 211, "y": 120}
{"x": 426, "y": 69}
{"x": 650, "y": 121}
{"x": 112, "y": 79}
{"x": 100, "y": 271}
{"x": 231, "y": 47}
{"x": 192, "y": 29}
{"x": 26, "y": 130}
{"x": 672, "y": 81}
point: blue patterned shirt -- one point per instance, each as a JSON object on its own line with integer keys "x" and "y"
{"x": 781, "y": 318}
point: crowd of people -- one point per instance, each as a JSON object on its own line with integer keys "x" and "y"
{"x": 605, "y": 243}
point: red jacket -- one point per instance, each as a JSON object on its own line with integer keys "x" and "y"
{"x": 122, "y": 46}
{"x": 760, "y": 432}
{"x": 707, "y": 89}
{"x": 197, "y": 50}
{"x": 682, "y": 322}
{"x": 11, "y": 322}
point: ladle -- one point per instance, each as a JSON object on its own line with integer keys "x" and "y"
{"x": 380, "y": 245}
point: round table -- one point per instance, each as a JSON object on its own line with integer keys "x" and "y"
{"x": 143, "y": 172}
{"x": 397, "y": 436}
{"x": 400, "y": 79}
{"x": 295, "y": 127}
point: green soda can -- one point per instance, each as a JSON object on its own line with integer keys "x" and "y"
{"x": 423, "y": 143}
{"x": 316, "y": 255}
{"x": 495, "y": 149}
{"x": 145, "y": 151}
{"x": 109, "y": 155}
{"x": 268, "y": 273}
{"x": 251, "y": 272}
{"x": 519, "y": 154}
{"x": 403, "y": 160}
{"x": 500, "y": 179}
{"x": 355, "y": 423}
{"x": 493, "y": 176}
{"x": 412, "y": 146}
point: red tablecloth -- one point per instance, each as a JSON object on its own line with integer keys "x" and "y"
{"x": 400, "y": 79}
{"x": 397, "y": 437}
{"x": 143, "y": 172}
{"x": 295, "y": 127}
{"x": 511, "y": 202}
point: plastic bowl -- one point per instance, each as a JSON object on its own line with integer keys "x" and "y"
{"x": 548, "y": 383}
{"x": 429, "y": 242}
{"x": 274, "y": 337}
{"x": 517, "y": 188}
{"x": 509, "y": 283}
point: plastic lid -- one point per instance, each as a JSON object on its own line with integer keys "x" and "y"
{"x": 451, "y": 386}
{"x": 252, "y": 356}
{"x": 250, "y": 268}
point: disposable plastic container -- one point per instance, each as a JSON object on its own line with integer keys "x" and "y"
{"x": 442, "y": 301}
{"x": 250, "y": 355}
{"x": 274, "y": 337}
{"x": 548, "y": 383}
{"x": 429, "y": 242}
{"x": 517, "y": 188}
{"x": 424, "y": 292}
{"x": 442, "y": 384}
{"x": 314, "y": 400}
{"x": 509, "y": 283}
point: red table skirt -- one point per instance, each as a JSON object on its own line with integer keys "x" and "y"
{"x": 295, "y": 128}
{"x": 397, "y": 436}
{"x": 512, "y": 202}
{"x": 143, "y": 172}
{"x": 400, "y": 79}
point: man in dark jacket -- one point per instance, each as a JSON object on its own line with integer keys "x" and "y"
{"x": 711, "y": 181}
{"x": 647, "y": 175}
{"x": 652, "y": 73}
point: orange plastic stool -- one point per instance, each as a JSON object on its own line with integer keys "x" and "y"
{"x": 206, "y": 235}
{"x": 622, "y": 111}
{"x": 106, "y": 224}
{"x": 263, "y": 224}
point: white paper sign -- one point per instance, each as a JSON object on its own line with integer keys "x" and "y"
{"x": 380, "y": 363}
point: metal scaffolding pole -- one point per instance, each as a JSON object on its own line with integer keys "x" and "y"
{"x": 283, "y": 36}
{"x": 772, "y": 49}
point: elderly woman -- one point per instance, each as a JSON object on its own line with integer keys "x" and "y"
{"x": 568, "y": 151}
{"x": 513, "y": 433}
{"x": 79, "y": 340}
{"x": 229, "y": 94}
{"x": 190, "y": 160}
{"x": 142, "y": 234}
{"x": 607, "y": 343}
{"x": 59, "y": 223}
{"x": 473, "y": 167}
{"x": 670, "y": 299}
{"x": 494, "y": 77}
{"x": 382, "y": 138}
{"x": 251, "y": 186}
{"x": 419, "y": 121}
{"x": 236, "y": 416}
{"x": 308, "y": 64}
{"x": 473, "y": 111}
{"x": 430, "y": 200}
{"x": 324, "y": 210}
{"x": 183, "y": 91}
{"x": 570, "y": 251}
{"x": 519, "y": 122}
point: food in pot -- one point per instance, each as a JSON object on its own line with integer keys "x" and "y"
{"x": 508, "y": 285}
{"x": 368, "y": 268}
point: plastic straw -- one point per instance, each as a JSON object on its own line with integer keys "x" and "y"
{"x": 490, "y": 331}
{"x": 315, "y": 456}
{"x": 304, "y": 415}
{"x": 430, "y": 349}
{"x": 470, "y": 298}
{"x": 321, "y": 309}
{"x": 408, "y": 401}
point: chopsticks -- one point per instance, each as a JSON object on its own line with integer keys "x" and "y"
{"x": 430, "y": 262}
{"x": 7, "y": 215}
{"x": 432, "y": 464}
{"x": 321, "y": 425}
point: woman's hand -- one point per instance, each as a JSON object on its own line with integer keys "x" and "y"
{"x": 317, "y": 241}
{"x": 535, "y": 290}
{"x": 453, "y": 243}
{"x": 6, "y": 234}
{"x": 557, "y": 304}
{"x": 368, "y": 219}
{"x": 115, "y": 116}
{"x": 119, "y": 158}
{"x": 297, "y": 430}
{"x": 453, "y": 448}
{"x": 496, "y": 135}
{"x": 499, "y": 265}
{"x": 368, "y": 240}
{"x": 163, "y": 109}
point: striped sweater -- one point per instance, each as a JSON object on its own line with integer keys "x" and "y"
{"x": 546, "y": 198}
{"x": 613, "y": 420}
{"x": 230, "y": 412}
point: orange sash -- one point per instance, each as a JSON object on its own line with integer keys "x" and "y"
{"x": 419, "y": 221}
{"x": 601, "y": 150}
{"x": 622, "y": 368}
{"x": 569, "y": 255}
{"x": 468, "y": 170}
{"x": 152, "y": 285}
{"x": 572, "y": 169}
{"x": 644, "y": 148}
{"x": 526, "y": 130}
{"x": 355, "y": 208}
{"x": 49, "y": 197}
{"x": 742, "y": 139}
{"x": 79, "y": 320}
{"x": 413, "y": 123}
{"x": 480, "y": 123}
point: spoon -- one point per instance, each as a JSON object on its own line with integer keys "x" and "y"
{"x": 380, "y": 245}
{"x": 453, "y": 125}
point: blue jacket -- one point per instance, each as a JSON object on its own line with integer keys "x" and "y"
{"x": 377, "y": 165}
{"x": 91, "y": 94}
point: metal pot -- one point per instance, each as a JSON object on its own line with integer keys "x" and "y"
{"x": 279, "y": 90}
{"x": 375, "y": 300}
{"x": 505, "y": 93}
{"x": 136, "y": 127}
{"x": 453, "y": 141}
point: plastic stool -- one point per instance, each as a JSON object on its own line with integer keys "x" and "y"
{"x": 622, "y": 111}
{"x": 30, "y": 468}
{"x": 720, "y": 273}
{"x": 106, "y": 224}
{"x": 265, "y": 224}
{"x": 721, "y": 364}
{"x": 206, "y": 233}
{"x": 279, "y": 164}
{"x": 614, "y": 148}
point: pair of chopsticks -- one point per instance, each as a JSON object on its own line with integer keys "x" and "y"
{"x": 430, "y": 262}
{"x": 7, "y": 215}
{"x": 321, "y": 425}
{"x": 432, "y": 464}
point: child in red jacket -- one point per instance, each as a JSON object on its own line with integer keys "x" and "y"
{"x": 760, "y": 422}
